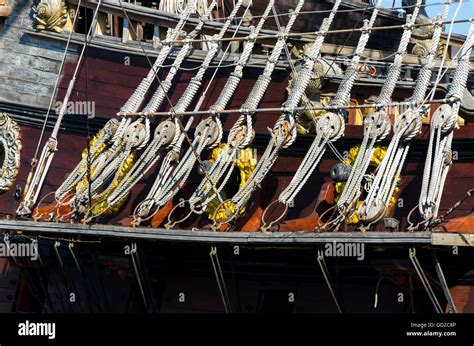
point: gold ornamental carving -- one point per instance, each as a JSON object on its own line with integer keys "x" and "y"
{"x": 49, "y": 15}
{"x": 10, "y": 150}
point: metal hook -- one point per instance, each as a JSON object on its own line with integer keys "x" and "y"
{"x": 323, "y": 227}
{"x": 37, "y": 215}
{"x": 325, "y": 271}
{"x": 57, "y": 244}
{"x": 71, "y": 250}
{"x": 444, "y": 285}
{"x": 218, "y": 223}
{"x": 220, "y": 279}
{"x": 424, "y": 280}
{"x": 170, "y": 224}
{"x": 133, "y": 253}
{"x": 267, "y": 226}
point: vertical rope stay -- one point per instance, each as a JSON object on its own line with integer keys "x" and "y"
{"x": 114, "y": 129}
{"x": 152, "y": 152}
{"x": 376, "y": 128}
{"x": 204, "y": 194}
{"x": 443, "y": 122}
{"x": 406, "y": 128}
{"x": 34, "y": 185}
{"x": 207, "y": 135}
{"x": 184, "y": 102}
{"x": 107, "y": 175}
{"x": 216, "y": 266}
{"x": 284, "y": 131}
{"x": 329, "y": 127}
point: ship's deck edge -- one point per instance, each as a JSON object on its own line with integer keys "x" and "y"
{"x": 201, "y": 236}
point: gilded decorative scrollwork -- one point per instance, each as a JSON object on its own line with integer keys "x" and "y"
{"x": 100, "y": 207}
{"x": 10, "y": 150}
{"x": 245, "y": 162}
{"x": 49, "y": 15}
{"x": 322, "y": 68}
{"x": 375, "y": 161}
{"x": 421, "y": 37}
{"x": 421, "y": 41}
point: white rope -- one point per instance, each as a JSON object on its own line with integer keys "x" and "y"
{"x": 160, "y": 94}
{"x": 406, "y": 127}
{"x": 42, "y": 167}
{"x": 329, "y": 127}
{"x": 443, "y": 122}
{"x": 287, "y": 14}
{"x": 376, "y": 126}
{"x": 153, "y": 152}
{"x": 172, "y": 35}
{"x": 284, "y": 131}
{"x": 124, "y": 149}
{"x": 212, "y": 127}
{"x": 223, "y": 166}
{"x": 167, "y": 167}
{"x": 113, "y": 132}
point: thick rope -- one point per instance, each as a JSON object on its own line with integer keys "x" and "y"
{"x": 376, "y": 125}
{"x": 209, "y": 131}
{"x": 112, "y": 131}
{"x": 330, "y": 127}
{"x": 406, "y": 128}
{"x": 204, "y": 194}
{"x": 170, "y": 159}
{"x": 284, "y": 131}
{"x": 35, "y": 180}
{"x": 443, "y": 122}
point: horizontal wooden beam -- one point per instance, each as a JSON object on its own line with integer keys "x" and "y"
{"x": 196, "y": 55}
{"x": 453, "y": 239}
{"x": 164, "y": 19}
{"x": 197, "y": 236}
{"x": 132, "y": 47}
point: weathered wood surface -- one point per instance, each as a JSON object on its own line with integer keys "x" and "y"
{"x": 183, "y": 235}
{"x": 28, "y": 66}
{"x": 306, "y": 22}
{"x": 133, "y": 47}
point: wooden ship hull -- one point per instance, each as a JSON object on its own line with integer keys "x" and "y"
{"x": 113, "y": 66}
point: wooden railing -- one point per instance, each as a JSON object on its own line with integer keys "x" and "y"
{"x": 146, "y": 23}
